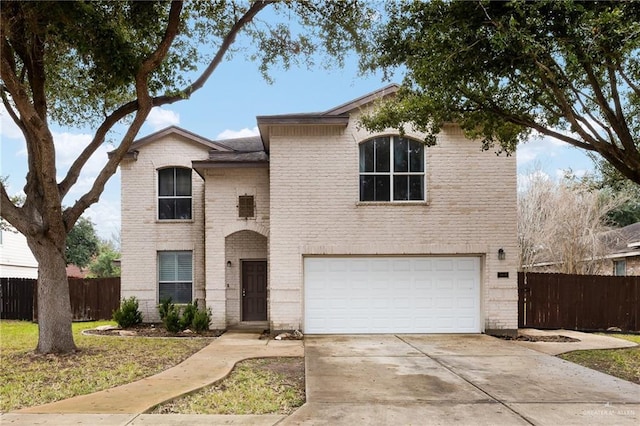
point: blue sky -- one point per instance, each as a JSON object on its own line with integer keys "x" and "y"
{"x": 227, "y": 107}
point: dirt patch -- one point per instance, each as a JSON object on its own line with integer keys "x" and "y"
{"x": 555, "y": 338}
{"x": 153, "y": 330}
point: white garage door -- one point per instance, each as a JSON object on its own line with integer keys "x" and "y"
{"x": 392, "y": 295}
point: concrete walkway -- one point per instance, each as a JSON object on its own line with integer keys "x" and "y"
{"x": 123, "y": 404}
{"x": 586, "y": 341}
{"x": 484, "y": 381}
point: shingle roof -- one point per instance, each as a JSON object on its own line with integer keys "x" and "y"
{"x": 250, "y": 143}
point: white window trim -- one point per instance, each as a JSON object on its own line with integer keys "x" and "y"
{"x": 391, "y": 174}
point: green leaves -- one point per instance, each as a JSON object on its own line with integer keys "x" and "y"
{"x": 504, "y": 69}
{"x": 82, "y": 243}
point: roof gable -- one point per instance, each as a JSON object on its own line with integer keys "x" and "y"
{"x": 337, "y": 116}
{"x": 181, "y": 133}
{"x": 363, "y": 100}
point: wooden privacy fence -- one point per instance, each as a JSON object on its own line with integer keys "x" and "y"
{"x": 91, "y": 299}
{"x": 16, "y": 298}
{"x": 578, "y": 302}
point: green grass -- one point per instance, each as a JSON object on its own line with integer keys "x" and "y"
{"x": 256, "y": 386}
{"x": 28, "y": 379}
{"x": 622, "y": 363}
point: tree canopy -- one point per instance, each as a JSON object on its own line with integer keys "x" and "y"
{"x": 103, "y": 63}
{"x": 82, "y": 243}
{"x": 506, "y": 71}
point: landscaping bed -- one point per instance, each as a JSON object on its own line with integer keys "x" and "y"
{"x": 150, "y": 330}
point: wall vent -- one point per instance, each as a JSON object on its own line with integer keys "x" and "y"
{"x": 246, "y": 206}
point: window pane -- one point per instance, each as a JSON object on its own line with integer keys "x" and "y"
{"x": 416, "y": 187}
{"x": 183, "y": 182}
{"x": 401, "y": 155}
{"x": 383, "y": 188}
{"x": 367, "y": 188}
{"x": 383, "y": 154}
{"x": 166, "y": 266}
{"x": 178, "y": 292}
{"x": 165, "y": 182}
{"x": 167, "y": 208}
{"x": 183, "y": 266}
{"x": 183, "y": 208}
{"x": 401, "y": 187}
{"x": 416, "y": 150}
{"x": 366, "y": 156}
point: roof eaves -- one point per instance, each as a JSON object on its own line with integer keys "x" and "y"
{"x": 303, "y": 119}
{"x": 363, "y": 100}
{"x": 181, "y": 132}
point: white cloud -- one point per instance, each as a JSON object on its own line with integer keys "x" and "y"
{"x": 7, "y": 126}
{"x": 106, "y": 217}
{"x": 536, "y": 148}
{"x": 243, "y": 133}
{"x": 159, "y": 118}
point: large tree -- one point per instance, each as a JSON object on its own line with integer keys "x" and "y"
{"x": 107, "y": 63}
{"x": 504, "y": 70}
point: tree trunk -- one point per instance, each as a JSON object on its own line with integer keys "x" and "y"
{"x": 54, "y": 306}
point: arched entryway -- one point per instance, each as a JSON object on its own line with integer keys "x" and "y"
{"x": 246, "y": 275}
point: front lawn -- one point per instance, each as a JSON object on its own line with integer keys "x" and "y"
{"x": 28, "y": 379}
{"x": 255, "y": 386}
{"x": 622, "y": 363}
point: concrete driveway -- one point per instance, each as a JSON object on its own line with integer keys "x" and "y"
{"x": 454, "y": 379}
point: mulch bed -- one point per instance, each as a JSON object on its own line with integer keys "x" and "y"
{"x": 153, "y": 330}
{"x": 553, "y": 338}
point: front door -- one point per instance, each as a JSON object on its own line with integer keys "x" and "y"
{"x": 254, "y": 290}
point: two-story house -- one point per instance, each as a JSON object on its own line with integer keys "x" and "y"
{"x": 319, "y": 225}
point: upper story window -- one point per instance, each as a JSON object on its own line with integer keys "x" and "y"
{"x": 392, "y": 169}
{"x": 174, "y": 193}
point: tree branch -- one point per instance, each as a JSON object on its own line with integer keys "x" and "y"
{"x": 152, "y": 62}
{"x": 228, "y": 40}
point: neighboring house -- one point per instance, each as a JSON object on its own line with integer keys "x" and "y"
{"x": 16, "y": 259}
{"x": 623, "y": 257}
{"x": 74, "y": 271}
{"x": 319, "y": 225}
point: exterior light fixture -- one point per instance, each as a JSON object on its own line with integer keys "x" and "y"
{"x": 501, "y": 254}
{"x": 229, "y": 263}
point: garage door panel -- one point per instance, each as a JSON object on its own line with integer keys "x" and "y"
{"x": 392, "y": 295}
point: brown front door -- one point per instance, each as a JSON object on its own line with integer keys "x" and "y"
{"x": 254, "y": 290}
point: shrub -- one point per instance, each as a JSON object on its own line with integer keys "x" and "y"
{"x": 175, "y": 319}
{"x": 163, "y": 307}
{"x": 128, "y": 314}
{"x": 188, "y": 314}
{"x": 201, "y": 320}
{"x": 171, "y": 320}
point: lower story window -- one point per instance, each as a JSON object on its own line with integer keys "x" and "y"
{"x": 620, "y": 268}
{"x": 175, "y": 276}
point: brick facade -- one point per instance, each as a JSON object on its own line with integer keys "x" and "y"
{"x": 143, "y": 235}
{"x": 307, "y": 203}
{"x": 314, "y": 190}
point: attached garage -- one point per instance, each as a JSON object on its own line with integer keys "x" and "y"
{"x": 350, "y": 295}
